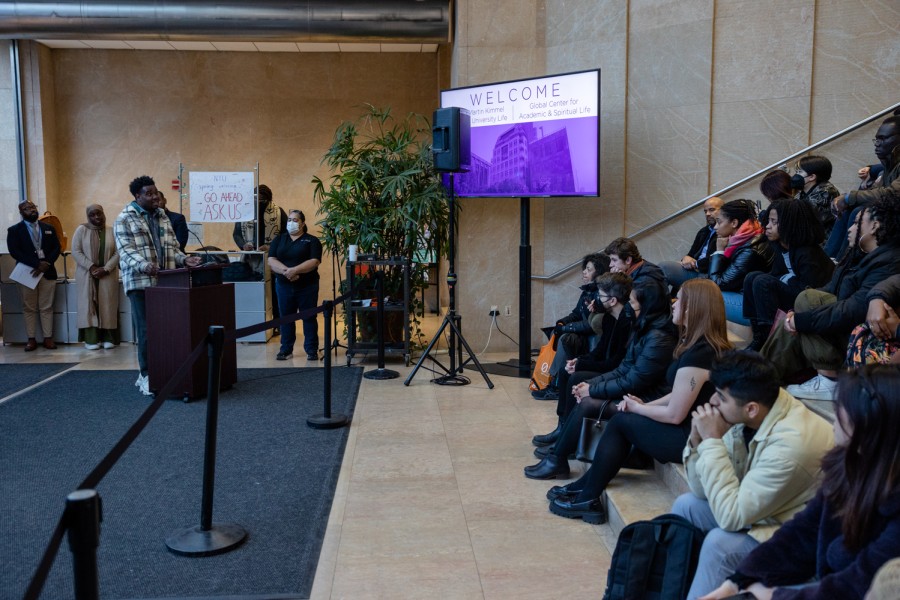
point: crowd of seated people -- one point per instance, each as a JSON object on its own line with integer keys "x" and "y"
{"x": 785, "y": 517}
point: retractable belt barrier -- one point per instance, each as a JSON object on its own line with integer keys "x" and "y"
{"x": 323, "y": 421}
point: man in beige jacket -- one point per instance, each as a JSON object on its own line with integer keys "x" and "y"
{"x": 752, "y": 462}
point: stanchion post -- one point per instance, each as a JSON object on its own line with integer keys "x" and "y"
{"x": 209, "y": 538}
{"x": 380, "y": 372}
{"x": 83, "y": 516}
{"x": 326, "y": 420}
{"x": 214, "y": 351}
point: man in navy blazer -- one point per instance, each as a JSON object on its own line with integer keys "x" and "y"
{"x": 179, "y": 223}
{"x": 36, "y": 245}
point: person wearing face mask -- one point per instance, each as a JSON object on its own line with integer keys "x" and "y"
{"x": 294, "y": 257}
{"x": 574, "y": 334}
{"x": 613, "y": 293}
{"x": 97, "y": 281}
{"x": 816, "y": 332}
{"x": 36, "y": 245}
{"x": 641, "y": 372}
{"x": 811, "y": 179}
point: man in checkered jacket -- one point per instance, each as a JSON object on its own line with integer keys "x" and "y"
{"x": 146, "y": 244}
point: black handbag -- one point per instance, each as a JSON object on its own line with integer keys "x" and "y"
{"x": 591, "y": 430}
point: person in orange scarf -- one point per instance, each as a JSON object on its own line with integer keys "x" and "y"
{"x": 741, "y": 248}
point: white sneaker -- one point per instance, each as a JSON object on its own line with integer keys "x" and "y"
{"x": 139, "y": 380}
{"x": 108, "y": 345}
{"x": 91, "y": 346}
{"x": 144, "y": 386}
{"x": 817, "y": 388}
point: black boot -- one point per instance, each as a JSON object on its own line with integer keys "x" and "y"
{"x": 550, "y": 467}
{"x": 548, "y": 438}
{"x": 590, "y": 511}
{"x": 760, "y": 335}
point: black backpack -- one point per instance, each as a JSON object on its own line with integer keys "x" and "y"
{"x": 654, "y": 560}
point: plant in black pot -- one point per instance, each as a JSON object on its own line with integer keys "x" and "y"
{"x": 385, "y": 197}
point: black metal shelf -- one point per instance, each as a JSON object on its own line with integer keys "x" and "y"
{"x": 355, "y": 346}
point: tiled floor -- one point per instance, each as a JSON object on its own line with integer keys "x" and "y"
{"x": 431, "y": 501}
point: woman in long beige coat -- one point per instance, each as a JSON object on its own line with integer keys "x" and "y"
{"x": 97, "y": 279}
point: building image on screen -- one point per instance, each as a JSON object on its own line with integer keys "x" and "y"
{"x": 546, "y": 143}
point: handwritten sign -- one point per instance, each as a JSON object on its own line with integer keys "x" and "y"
{"x": 220, "y": 197}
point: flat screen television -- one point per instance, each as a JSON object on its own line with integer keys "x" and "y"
{"x": 531, "y": 137}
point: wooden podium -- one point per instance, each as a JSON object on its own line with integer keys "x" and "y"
{"x": 180, "y": 310}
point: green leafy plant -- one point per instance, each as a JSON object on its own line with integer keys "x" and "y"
{"x": 385, "y": 197}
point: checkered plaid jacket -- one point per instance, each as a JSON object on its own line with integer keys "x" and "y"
{"x": 136, "y": 250}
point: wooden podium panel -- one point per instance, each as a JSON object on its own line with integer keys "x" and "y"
{"x": 179, "y": 318}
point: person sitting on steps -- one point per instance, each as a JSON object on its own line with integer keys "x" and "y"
{"x": 641, "y": 372}
{"x": 800, "y": 263}
{"x": 613, "y": 292}
{"x": 816, "y": 332}
{"x": 574, "y": 334}
{"x": 812, "y": 178}
{"x": 833, "y": 548}
{"x": 659, "y": 428}
{"x": 742, "y": 248}
{"x": 696, "y": 262}
{"x": 752, "y": 462}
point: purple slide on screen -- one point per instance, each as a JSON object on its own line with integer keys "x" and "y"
{"x": 536, "y": 137}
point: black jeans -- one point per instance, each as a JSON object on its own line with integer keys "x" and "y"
{"x": 662, "y": 441}
{"x": 765, "y": 294}
{"x": 566, "y": 382}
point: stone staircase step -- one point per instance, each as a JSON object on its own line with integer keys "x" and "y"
{"x": 636, "y": 496}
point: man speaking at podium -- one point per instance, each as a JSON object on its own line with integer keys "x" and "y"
{"x": 147, "y": 244}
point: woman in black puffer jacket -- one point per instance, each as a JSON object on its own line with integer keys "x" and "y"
{"x": 742, "y": 248}
{"x": 642, "y": 372}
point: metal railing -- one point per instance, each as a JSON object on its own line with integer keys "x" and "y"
{"x": 728, "y": 188}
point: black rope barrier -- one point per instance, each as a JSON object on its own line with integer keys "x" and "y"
{"x": 36, "y": 585}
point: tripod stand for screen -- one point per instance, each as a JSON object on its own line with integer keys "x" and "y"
{"x": 453, "y": 374}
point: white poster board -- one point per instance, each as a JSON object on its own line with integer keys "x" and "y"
{"x": 221, "y": 197}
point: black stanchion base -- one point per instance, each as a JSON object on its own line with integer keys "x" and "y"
{"x": 332, "y": 422}
{"x": 381, "y": 374}
{"x": 510, "y": 368}
{"x": 193, "y": 541}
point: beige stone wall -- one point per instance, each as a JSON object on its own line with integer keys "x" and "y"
{"x": 695, "y": 94}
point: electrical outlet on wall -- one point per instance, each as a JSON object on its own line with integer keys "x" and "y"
{"x": 507, "y": 310}
{"x": 494, "y": 310}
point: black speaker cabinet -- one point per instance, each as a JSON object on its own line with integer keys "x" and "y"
{"x": 451, "y": 143}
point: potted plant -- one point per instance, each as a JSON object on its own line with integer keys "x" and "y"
{"x": 385, "y": 197}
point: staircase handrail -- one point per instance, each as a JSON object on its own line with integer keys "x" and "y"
{"x": 728, "y": 188}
